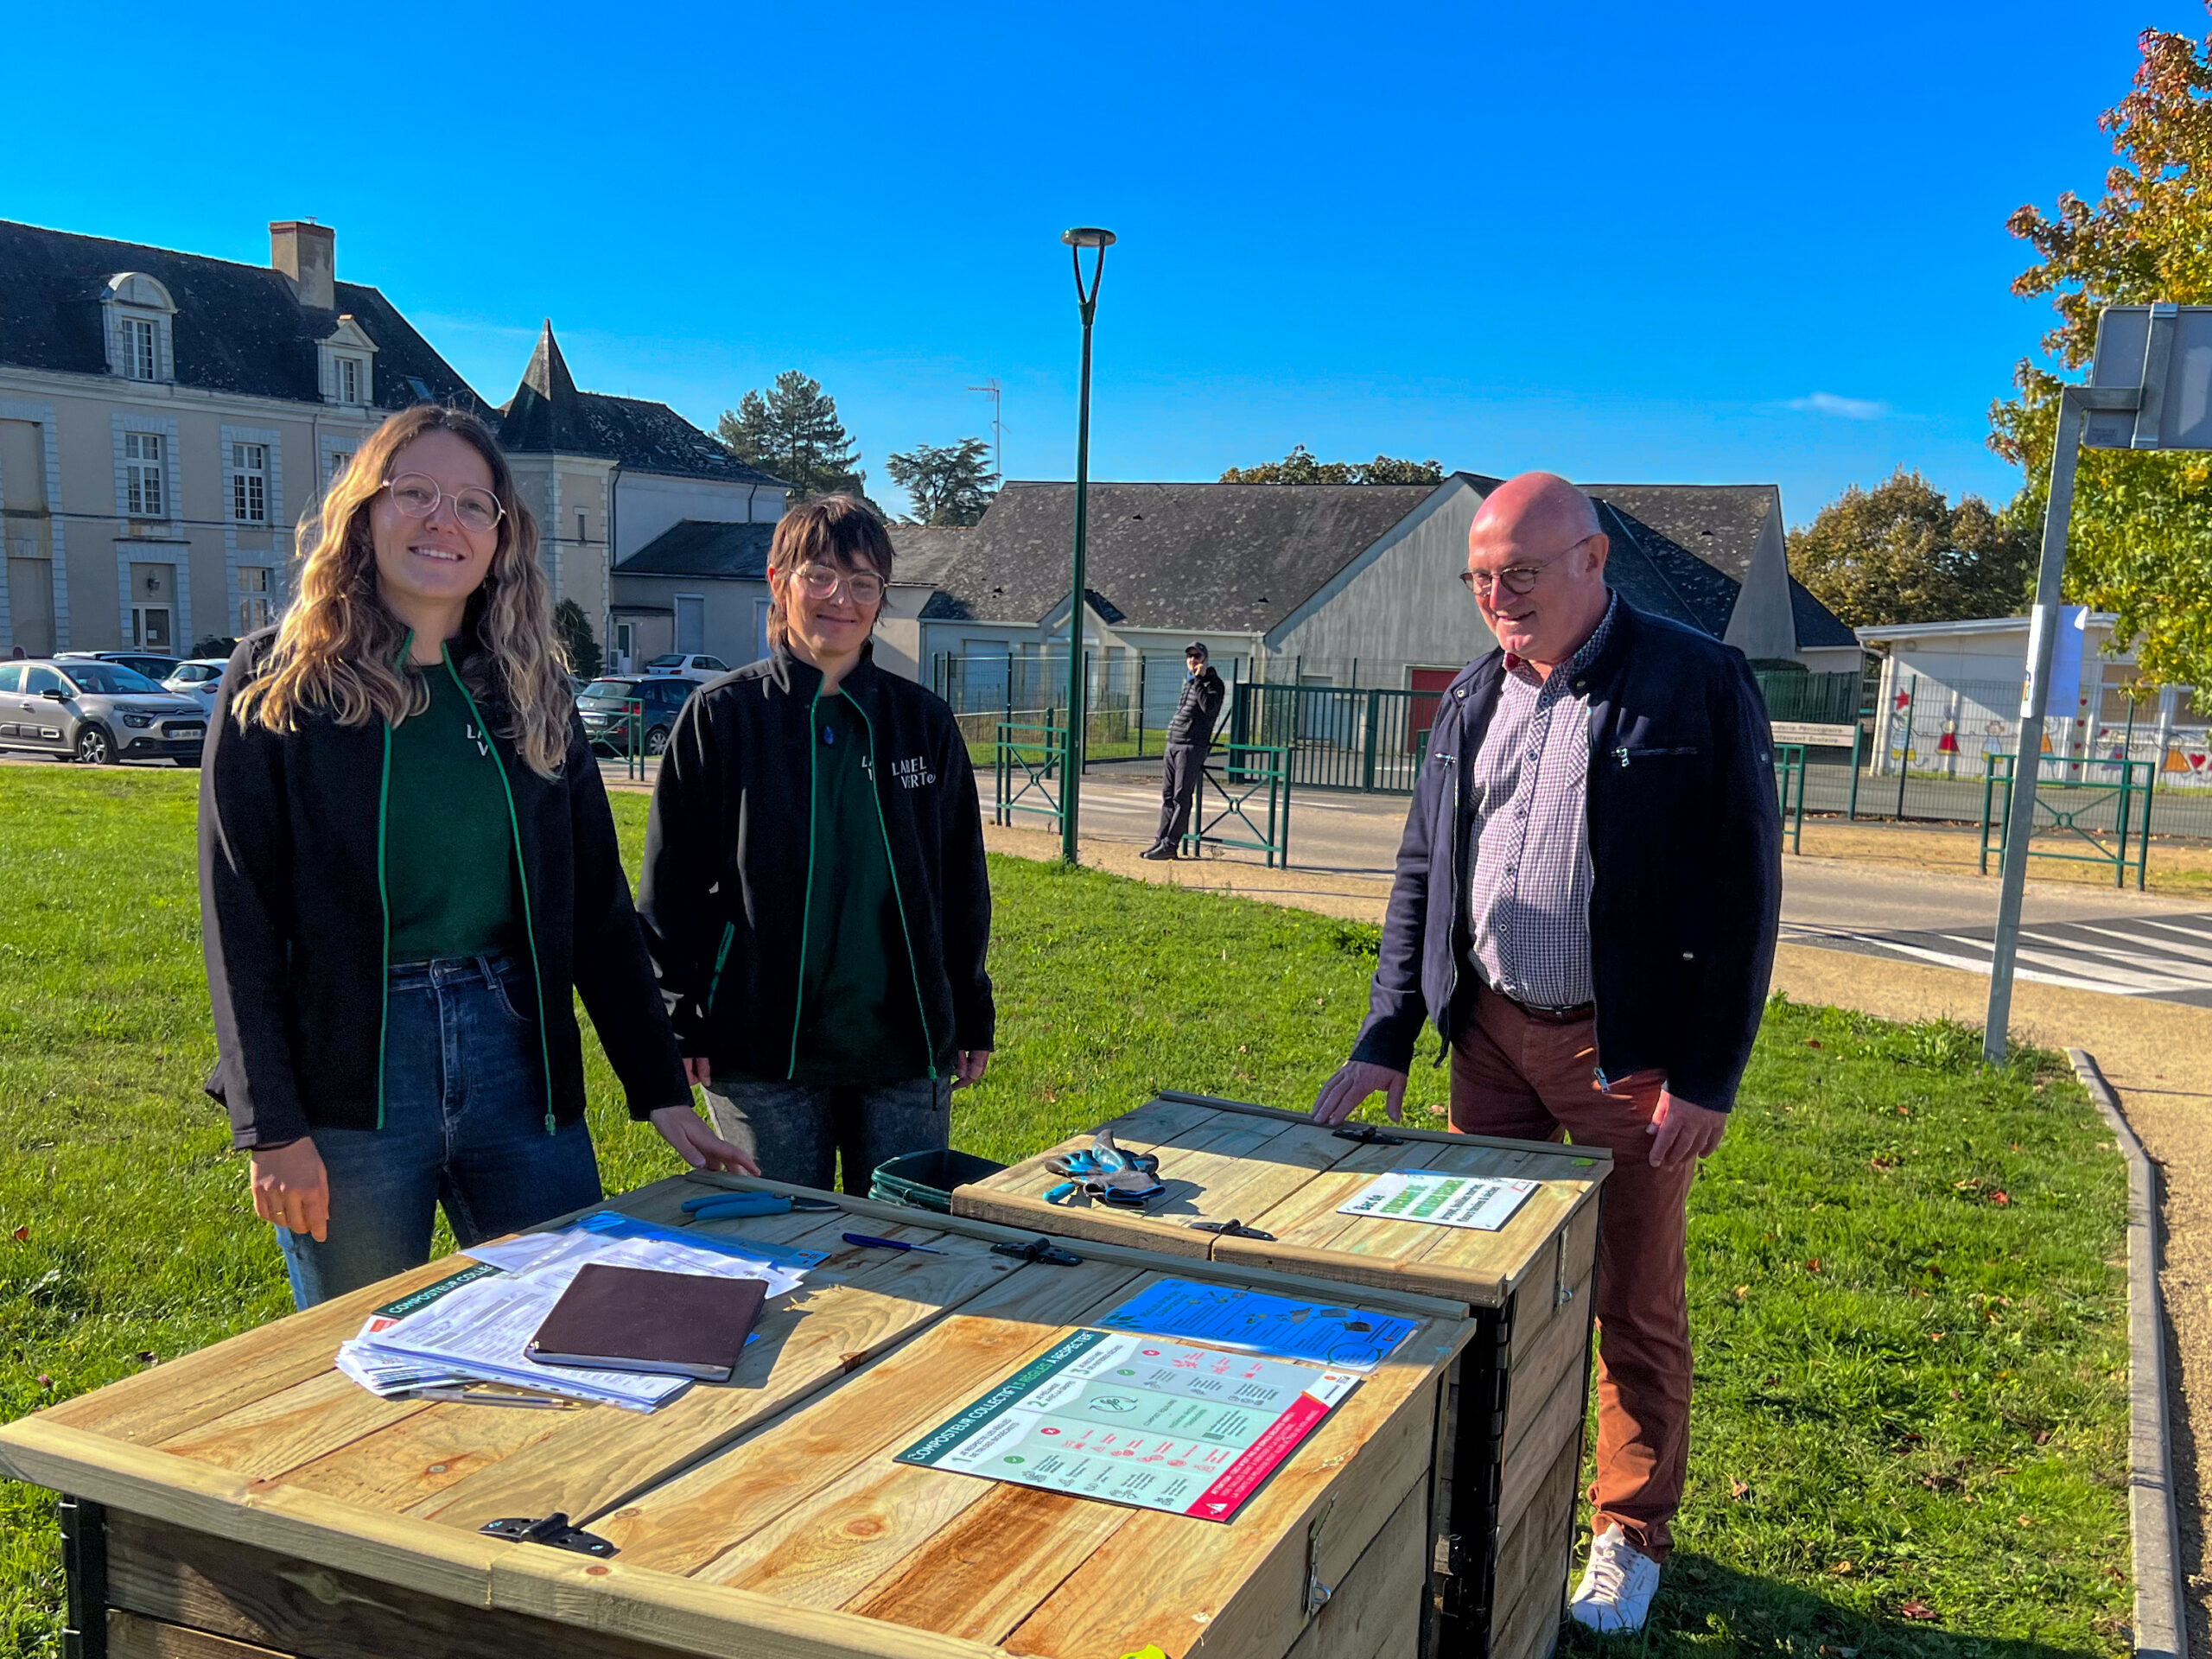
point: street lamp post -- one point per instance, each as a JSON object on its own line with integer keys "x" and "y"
{"x": 2150, "y": 388}
{"x": 1083, "y": 236}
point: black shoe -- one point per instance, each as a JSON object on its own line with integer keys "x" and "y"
{"x": 1157, "y": 852}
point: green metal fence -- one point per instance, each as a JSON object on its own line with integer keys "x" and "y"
{"x": 1789, "y": 765}
{"x": 1243, "y": 786}
{"x": 2092, "y": 820}
{"x": 1027, "y": 762}
{"x": 1338, "y": 737}
{"x": 1829, "y": 699}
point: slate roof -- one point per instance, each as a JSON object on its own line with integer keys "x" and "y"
{"x": 922, "y": 554}
{"x": 549, "y": 415}
{"x": 1682, "y": 550}
{"x": 1192, "y": 557}
{"x": 237, "y": 327}
{"x": 698, "y": 548}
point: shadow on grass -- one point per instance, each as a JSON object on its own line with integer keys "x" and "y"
{"x": 1705, "y": 1608}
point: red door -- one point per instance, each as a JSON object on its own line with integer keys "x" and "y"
{"x": 1428, "y": 685}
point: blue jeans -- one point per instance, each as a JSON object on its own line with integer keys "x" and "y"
{"x": 464, "y": 1126}
{"x": 796, "y": 1131}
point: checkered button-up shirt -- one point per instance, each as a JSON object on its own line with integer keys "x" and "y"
{"x": 1529, "y": 896}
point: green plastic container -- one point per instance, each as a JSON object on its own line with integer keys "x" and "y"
{"x": 924, "y": 1180}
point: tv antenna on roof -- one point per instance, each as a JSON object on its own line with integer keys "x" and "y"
{"x": 990, "y": 389}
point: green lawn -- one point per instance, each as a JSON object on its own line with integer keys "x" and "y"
{"x": 1907, "y": 1295}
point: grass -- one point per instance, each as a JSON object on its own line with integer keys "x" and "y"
{"x": 1910, "y": 1391}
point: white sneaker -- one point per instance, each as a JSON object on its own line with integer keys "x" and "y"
{"x": 1616, "y": 1587}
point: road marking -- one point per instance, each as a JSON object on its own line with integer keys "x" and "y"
{"x": 2047, "y": 955}
{"x": 2201, "y": 952}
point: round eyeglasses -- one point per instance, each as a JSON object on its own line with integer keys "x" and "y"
{"x": 1515, "y": 578}
{"x": 418, "y": 497}
{"x": 821, "y": 581}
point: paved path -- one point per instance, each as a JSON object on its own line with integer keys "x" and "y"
{"x": 2169, "y": 958}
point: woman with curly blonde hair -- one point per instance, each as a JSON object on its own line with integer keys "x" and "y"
{"x": 408, "y": 870}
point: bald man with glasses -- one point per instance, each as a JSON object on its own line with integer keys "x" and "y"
{"x": 1585, "y": 908}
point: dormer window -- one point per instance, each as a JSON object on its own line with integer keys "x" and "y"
{"x": 141, "y": 349}
{"x": 349, "y": 365}
{"x": 139, "y": 311}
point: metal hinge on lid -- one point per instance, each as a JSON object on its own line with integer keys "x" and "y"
{"x": 1039, "y": 1250}
{"x": 1230, "y": 1229}
{"x": 553, "y": 1531}
{"x": 1368, "y": 1135}
{"x": 1316, "y": 1593}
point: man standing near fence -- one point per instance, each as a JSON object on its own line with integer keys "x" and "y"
{"x": 1190, "y": 734}
{"x": 1586, "y": 906}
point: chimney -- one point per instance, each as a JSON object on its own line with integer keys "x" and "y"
{"x": 307, "y": 253}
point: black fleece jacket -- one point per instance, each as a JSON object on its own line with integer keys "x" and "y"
{"x": 1685, "y": 846}
{"x": 724, "y": 892}
{"x": 293, "y": 919}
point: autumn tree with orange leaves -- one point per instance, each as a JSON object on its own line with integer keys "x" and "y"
{"x": 2140, "y": 543}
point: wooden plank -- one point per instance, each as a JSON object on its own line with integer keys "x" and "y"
{"x": 1563, "y": 1346}
{"x": 1377, "y": 1607}
{"x": 1557, "y": 1420}
{"x": 292, "y": 1426}
{"x": 129, "y": 1637}
{"x": 845, "y": 1538}
{"x": 596, "y": 1460}
{"x": 1028, "y": 1213}
{"x": 272, "y": 1600}
{"x": 179, "y": 1394}
{"x": 689, "y": 1520}
{"x": 438, "y": 1446}
{"x": 1238, "y": 1590}
{"x": 1530, "y": 1559}
{"x": 1116, "y": 1250}
{"x": 979, "y": 1577}
{"x": 1442, "y": 1137}
{"x": 1531, "y": 1629}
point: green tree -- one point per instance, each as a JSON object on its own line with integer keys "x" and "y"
{"x": 1298, "y": 466}
{"x": 949, "y": 486}
{"x": 791, "y": 431}
{"x": 2140, "y": 541}
{"x": 1902, "y": 553}
{"x": 574, "y": 627}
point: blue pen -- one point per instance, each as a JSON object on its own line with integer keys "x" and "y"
{"x": 868, "y": 1241}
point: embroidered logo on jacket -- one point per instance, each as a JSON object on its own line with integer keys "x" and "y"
{"x": 914, "y": 772}
{"x": 483, "y": 747}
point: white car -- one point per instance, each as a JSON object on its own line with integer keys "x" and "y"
{"x": 689, "y": 665}
{"x": 199, "y": 679}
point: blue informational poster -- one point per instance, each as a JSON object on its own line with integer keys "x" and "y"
{"x": 1223, "y": 1316}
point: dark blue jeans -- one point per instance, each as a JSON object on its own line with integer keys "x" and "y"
{"x": 464, "y": 1126}
{"x": 799, "y": 1132}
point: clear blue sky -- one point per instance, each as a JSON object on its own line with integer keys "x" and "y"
{"x": 1684, "y": 243}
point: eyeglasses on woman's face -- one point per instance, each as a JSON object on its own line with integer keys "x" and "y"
{"x": 824, "y": 581}
{"x": 1515, "y": 578}
{"x": 473, "y": 509}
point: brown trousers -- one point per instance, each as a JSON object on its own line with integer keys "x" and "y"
{"x": 1516, "y": 1075}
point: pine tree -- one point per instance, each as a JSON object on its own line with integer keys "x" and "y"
{"x": 574, "y": 628}
{"x": 954, "y": 485}
{"x": 793, "y": 432}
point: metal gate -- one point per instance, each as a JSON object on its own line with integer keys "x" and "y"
{"x": 1338, "y": 737}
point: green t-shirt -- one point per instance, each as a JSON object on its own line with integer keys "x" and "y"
{"x": 860, "y": 1015}
{"x": 450, "y": 846}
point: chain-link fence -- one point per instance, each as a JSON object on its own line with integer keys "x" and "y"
{"x": 1129, "y": 697}
{"x": 1928, "y": 757}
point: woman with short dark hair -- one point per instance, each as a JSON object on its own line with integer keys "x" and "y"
{"x": 815, "y": 892}
{"x": 407, "y": 871}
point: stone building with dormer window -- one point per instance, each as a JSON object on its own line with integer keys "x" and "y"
{"x": 165, "y": 421}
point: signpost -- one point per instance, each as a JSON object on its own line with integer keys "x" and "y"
{"x": 2150, "y": 388}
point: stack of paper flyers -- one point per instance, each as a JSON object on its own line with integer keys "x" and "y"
{"x": 474, "y": 1326}
{"x": 1141, "y": 1421}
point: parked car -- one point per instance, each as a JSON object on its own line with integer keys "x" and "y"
{"x": 606, "y": 706}
{"x": 687, "y": 665}
{"x": 199, "y": 679}
{"x": 95, "y": 712}
{"x": 154, "y": 664}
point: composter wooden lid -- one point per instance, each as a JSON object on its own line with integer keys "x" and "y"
{"x": 1280, "y": 1172}
{"x": 765, "y": 1515}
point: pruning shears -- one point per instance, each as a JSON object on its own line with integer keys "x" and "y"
{"x": 1107, "y": 1172}
{"x": 722, "y": 1206}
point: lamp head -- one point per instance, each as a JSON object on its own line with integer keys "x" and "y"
{"x": 1088, "y": 236}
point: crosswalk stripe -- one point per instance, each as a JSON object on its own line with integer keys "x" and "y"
{"x": 2175, "y": 927}
{"x": 2058, "y": 953}
{"x": 2185, "y": 964}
